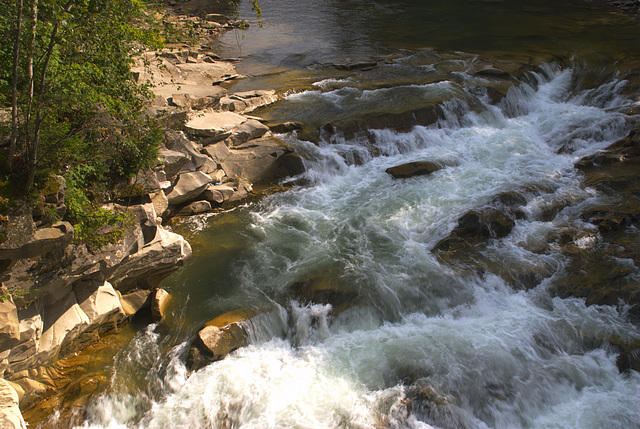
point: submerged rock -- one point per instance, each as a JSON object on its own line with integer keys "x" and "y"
{"x": 476, "y": 226}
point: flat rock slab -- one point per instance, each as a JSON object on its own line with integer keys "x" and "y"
{"x": 214, "y": 124}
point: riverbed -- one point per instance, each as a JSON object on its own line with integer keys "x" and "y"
{"x": 416, "y": 332}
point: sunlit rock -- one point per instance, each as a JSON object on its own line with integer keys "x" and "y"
{"x": 159, "y": 304}
{"x": 188, "y": 187}
{"x": 214, "y": 124}
{"x": 10, "y": 416}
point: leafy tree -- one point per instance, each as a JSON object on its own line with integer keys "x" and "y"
{"x": 66, "y": 77}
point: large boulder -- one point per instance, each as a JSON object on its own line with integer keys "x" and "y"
{"x": 219, "y": 337}
{"x": 188, "y": 187}
{"x": 262, "y": 160}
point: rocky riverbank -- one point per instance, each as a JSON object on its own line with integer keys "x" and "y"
{"x": 60, "y": 296}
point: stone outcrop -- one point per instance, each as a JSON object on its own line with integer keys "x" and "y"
{"x": 72, "y": 295}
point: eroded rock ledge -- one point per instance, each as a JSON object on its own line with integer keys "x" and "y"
{"x": 68, "y": 295}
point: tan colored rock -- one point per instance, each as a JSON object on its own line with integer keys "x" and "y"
{"x": 10, "y": 415}
{"x": 132, "y": 302}
{"x": 9, "y": 324}
{"x": 26, "y": 352}
{"x": 214, "y": 124}
{"x": 209, "y": 167}
{"x": 225, "y": 190}
{"x": 255, "y": 99}
{"x": 63, "y": 321}
{"x": 159, "y": 304}
{"x": 218, "y": 152}
{"x": 173, "y": 161}
{"x": 213, "y": 195}
{"x": 99, "y": 301}
{"x": 34, "y": 391}
{"x": 228, "y": 104}
{"x": 242, "y": 192}
{"x": 188, "y": 187}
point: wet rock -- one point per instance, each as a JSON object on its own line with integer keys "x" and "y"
{"x": 476, "y": 226}
{"x": 425, "y": 401}
{"x": 323, "y": 289}
{"x": 188, "y": 187}
{"x": 402, "y": 122}
{"x": 159, "y": 304}
{"x": 10, "y": 416}
{"x": 614, "y": 217}
{"x": 616, "y": 167}
{"x": 412, "y": 169}
{"x": 219, "y": 337}
{"x": 356, "y": 66}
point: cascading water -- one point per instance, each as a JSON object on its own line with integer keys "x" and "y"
{"x": 423, "y": 341}
{"x": 409, "y": 333}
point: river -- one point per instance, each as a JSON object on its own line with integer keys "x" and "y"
{"x": 411, "y": 336}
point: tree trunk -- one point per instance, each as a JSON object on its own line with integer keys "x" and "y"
{"x": 29, "y": 145}
{"x": 14, "y": 86}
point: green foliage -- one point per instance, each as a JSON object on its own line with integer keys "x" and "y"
{"x": 93, "y": 224}
{"x": 89, "y": 105}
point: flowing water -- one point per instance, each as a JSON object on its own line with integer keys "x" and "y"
{"x": 417, "y": 337}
